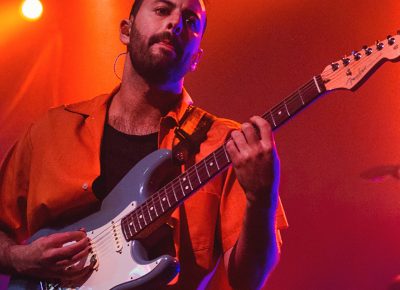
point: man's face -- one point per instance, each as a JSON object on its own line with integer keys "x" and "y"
{"x": 165, "y": 39}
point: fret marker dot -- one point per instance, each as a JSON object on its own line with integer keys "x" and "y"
{"x": 163, "y": 199}
{"x": 152, "y": 208}
{"x": 131, "y": 224}
{"x": 211, "y": 164}
{"x": 141, "y": 216}
{"x": 280, "y": 113}
{"x": 184, "y": 179}
{"x": 187, "y": 187}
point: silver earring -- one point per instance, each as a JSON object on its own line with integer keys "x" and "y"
{"x": 115, "y": 64}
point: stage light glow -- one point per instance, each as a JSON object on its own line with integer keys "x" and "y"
{"x": 32, "y": 9}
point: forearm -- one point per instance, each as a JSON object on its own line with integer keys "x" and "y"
{"x": 6, "y": 243}
{"x": 256, "y": 252}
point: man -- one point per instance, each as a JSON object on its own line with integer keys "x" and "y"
{"x": 54, "y": 173}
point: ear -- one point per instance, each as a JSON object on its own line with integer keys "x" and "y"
{"x": 196, "y": 59}
{"x": 125, "y": 30}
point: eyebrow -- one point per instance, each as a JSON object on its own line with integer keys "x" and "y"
{"x": 173, "y": 5}
{"x": 169, "y": 3}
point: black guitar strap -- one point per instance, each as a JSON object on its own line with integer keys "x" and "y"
{"x": 190, "y": 133}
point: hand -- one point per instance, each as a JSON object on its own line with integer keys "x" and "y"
{"x": 255, "y": 161}
{"x": 47, "y": 257}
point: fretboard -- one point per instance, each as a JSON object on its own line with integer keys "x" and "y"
{"x": 178, "y": 190}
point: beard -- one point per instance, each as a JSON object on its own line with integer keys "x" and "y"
{"x": 159, "y": 67}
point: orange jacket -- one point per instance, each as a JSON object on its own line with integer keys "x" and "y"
{"x": 47, "y": 178}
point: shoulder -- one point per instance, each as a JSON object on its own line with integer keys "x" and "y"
{"x": 67, "y": 117}
{"x": 220, "y": 129}
{"x": 227, "y": 124}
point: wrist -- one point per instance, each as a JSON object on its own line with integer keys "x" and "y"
{"x": 262, "y": 202}
{"x": 12, "y": 256}
{"x": 261, "y": 213}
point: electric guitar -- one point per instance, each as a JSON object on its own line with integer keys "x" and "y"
{"x": 134, "y": 208}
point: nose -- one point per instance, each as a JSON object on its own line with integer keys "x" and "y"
{"x": 175, "y": 24}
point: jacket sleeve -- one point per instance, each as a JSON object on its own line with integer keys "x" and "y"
{"x": 14, "y": 187}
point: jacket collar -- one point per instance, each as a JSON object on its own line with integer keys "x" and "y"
{"x": 90, "y": 107}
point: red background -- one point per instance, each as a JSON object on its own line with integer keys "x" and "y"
{"x": 344, "y": 230}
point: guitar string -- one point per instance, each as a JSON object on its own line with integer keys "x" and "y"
{"x": 168, "y": 193}
{"x": 98, "y": 245}
{"x": 139, "y": 213}
{"x": 190, "y": 171}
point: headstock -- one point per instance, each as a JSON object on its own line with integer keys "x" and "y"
{"x": 348, "y": 72}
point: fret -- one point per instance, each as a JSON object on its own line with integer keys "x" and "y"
{"x": 164, "y": 200}
{"x": 141, "y": 216}
{"x": 151, "y": 210}
{"x": 279, "y": 115}
{"x": 205, "y": 165}
{"x": 316, "y": 85}
{"x": 272, "y": 119}
{"x": 157, "y": 203}
{"x": 167, "y": 197}
{"x": 173, "y": 190}
{"x": 301, "y": 97}
{"x": 126, "y": 225}
{"x": 188, "y": 179}
{"x": 197, "y": 174}
{"x": 295, "y": 103}
{"x": 154, "y": 205}
{"x": 287, "y": 110}
{"x": 180, "y": 183}
{"x": 133, "y": 223}
{"x": 310, "y": 91}
{"x": 216, "y": 161}
{"x": 138, "y": 219}
{"x": 193, "y": 177}
{"x": 226, "y": 154}
{"x": 220, "y": 156}
{"x": 203, "y": 171}
{"x": 211, "y": 167}
{"x": 146, "y": 212}
{"x": 180, "y": 193}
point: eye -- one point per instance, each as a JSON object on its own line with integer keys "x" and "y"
{"x": 162, "y": 11}
{"x": 193, "y": 22}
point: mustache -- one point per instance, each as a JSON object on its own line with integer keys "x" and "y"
{"x": 160, "y": 37}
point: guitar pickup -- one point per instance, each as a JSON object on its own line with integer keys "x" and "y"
{"x": 118, "y": 242}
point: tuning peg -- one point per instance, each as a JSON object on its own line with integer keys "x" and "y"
{"x": 391, "y": 40}
{"x": 379, "y": 45}
{"x": 335, "y": 66}
{"x": 346, "y": 61}
{"x": 356, "y": 55}
{"x": 367, "y": 50}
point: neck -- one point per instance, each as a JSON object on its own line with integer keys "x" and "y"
{"x": 138, "y": 106}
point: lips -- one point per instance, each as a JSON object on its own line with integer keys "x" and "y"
{"x": 168, "y": 46}
{"x": 167, "y": 43}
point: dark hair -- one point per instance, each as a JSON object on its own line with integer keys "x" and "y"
{"x": 136, "y": 6}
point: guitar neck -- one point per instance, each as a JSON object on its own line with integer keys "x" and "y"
{"x": 182, "y": 187}
{"x": 295, "y": 102}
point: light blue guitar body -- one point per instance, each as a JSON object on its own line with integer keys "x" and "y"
{"x": 119, "y": 264}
